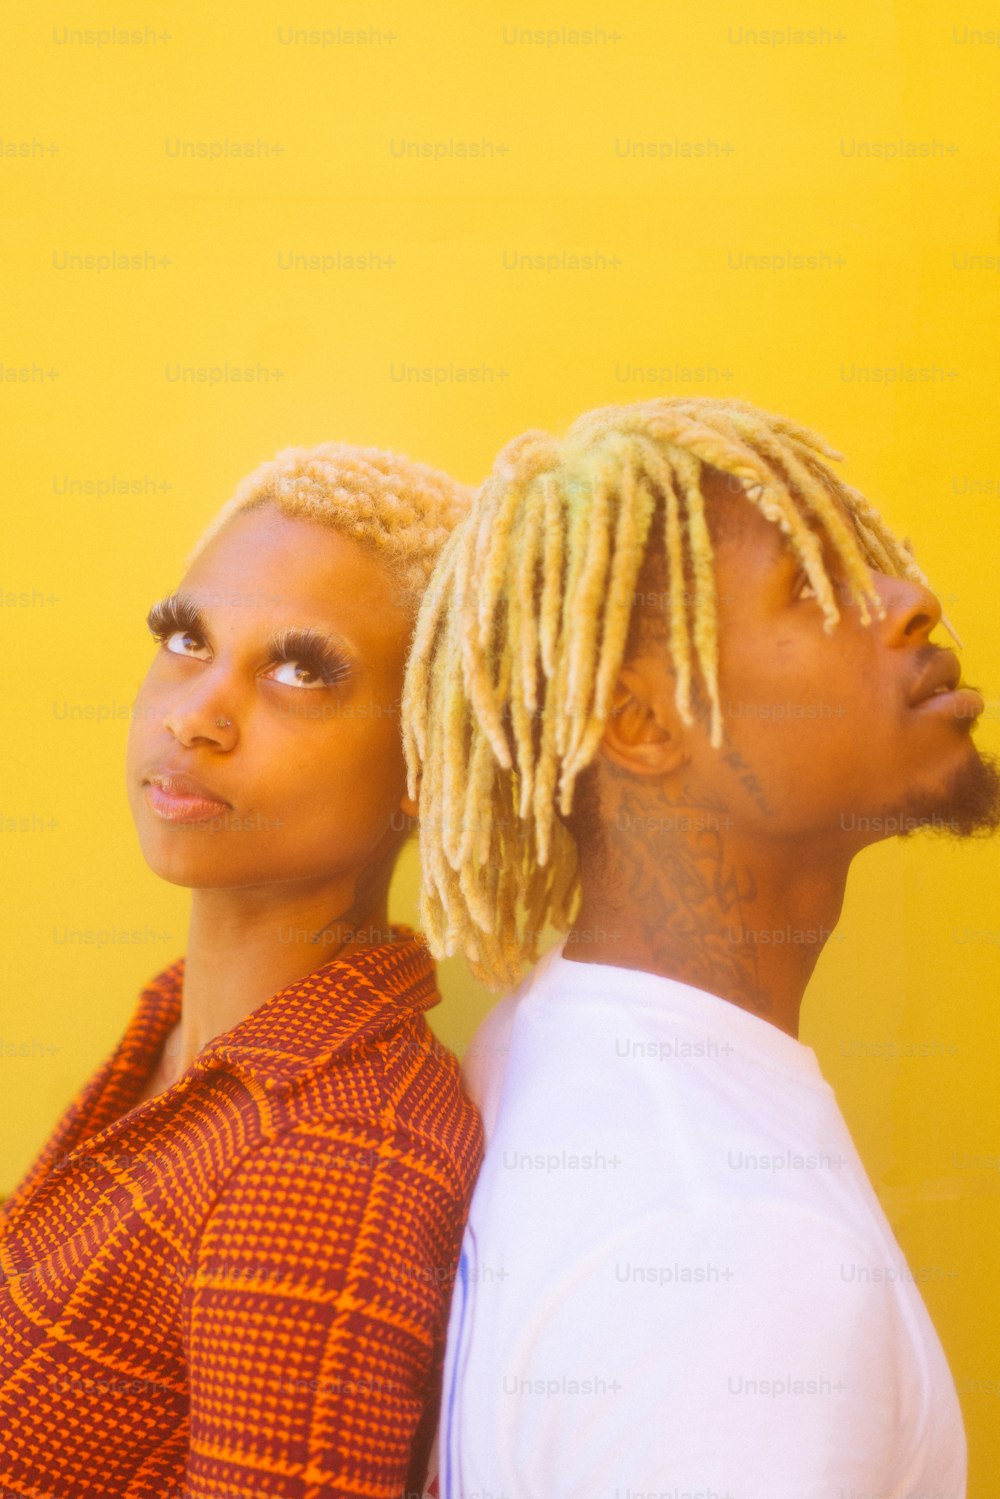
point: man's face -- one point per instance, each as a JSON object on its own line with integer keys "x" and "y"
{"x": 833, "y": 734}
{"x": 309, "y": 780}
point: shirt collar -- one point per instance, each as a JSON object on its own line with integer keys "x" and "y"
{"x": 340, "y": 1005}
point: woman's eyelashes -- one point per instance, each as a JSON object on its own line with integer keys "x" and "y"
{"x": 304, "y": 658}
{"x": 173, "y": 616}
{"x": 308, "y": 650}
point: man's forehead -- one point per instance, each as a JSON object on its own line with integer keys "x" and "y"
{"x": 734, "y": 518}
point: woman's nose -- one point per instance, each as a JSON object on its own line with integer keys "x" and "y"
{"x": 202, "y": 715}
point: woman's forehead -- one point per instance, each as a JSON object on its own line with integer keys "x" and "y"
{"x": 297, "y": 554}
{"x": 287, "y": 570}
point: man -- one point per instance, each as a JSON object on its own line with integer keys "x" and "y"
{"x": 670, "y": 676}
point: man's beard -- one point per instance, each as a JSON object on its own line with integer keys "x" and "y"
{"x": 967, "y": 807}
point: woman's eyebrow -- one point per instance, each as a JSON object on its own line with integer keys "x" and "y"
{"x": 183, "y": 604}
{"x": 179, "y": 603}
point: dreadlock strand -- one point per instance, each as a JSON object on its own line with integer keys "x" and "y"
{"x": 455, "y": 733}
{"x": 518, "y": 634}
{"x": 475, "y": 657}
{"x": 665, "y": 479}
{"x": 525, "y": 570}
{"x": 416, "y": 684}
{"x": 480, "y": 773}
{"x": 635, "y": 512}
{"x": 492, "y": 555}
{"x": 586, "y": 614}
{"x": 552, "y": 572}
{"x": 542, "y": 813}
{"x": 701, "y": 554}
{"x": 576, "y": 552}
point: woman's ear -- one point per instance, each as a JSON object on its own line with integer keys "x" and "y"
{"x": 645, "y": 733}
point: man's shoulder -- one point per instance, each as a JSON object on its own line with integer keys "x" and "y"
{"x": 485, "y": 1057}
{"x": 576, "y": 1271}
{"x": 484, "y": 1063}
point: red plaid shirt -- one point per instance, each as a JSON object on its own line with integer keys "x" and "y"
{"x": 240, "y": 1287}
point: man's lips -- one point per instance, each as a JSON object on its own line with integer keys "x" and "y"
{"x": 937, "y": 688}
{"x": 177, "y": 797}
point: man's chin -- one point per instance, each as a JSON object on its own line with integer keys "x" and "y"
{"x": 968, "y": 806}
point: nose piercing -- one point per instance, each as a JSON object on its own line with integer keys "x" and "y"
{"x": 223, "y": 723}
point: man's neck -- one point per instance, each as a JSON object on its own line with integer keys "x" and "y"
{"x": 687, "y": 900}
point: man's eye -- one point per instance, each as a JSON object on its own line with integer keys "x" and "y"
{"x": 179, "y": 641}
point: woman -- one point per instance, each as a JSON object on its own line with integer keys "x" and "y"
{"x": 227, "y": 1272}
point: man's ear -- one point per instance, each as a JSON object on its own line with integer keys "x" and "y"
{"x": 645, "y": 733}
{"x": 409, "y": 807}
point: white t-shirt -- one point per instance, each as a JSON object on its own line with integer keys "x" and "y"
{"x": 676, "y": 1280}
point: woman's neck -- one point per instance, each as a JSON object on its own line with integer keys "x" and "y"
{"x": 245, "y": 945}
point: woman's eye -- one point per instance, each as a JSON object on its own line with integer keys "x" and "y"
{"x": 296, "y": 675}
{"x": 178, "y": 641}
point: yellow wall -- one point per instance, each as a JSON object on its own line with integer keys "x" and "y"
{"x": 860, "y": 139}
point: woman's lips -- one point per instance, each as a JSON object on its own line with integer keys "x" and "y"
{"x": 175, "y": 804}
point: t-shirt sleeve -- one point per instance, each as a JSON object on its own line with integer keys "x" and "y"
{"x": 764, "y": 1357}
{"x": 314, "y": 1317}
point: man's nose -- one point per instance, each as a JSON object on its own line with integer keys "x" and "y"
{"x": 912, "y": 611}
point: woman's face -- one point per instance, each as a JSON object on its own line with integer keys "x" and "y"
{"x": 298, "y": 636}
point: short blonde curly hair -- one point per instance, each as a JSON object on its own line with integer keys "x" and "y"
{"x": 401, "y": 509}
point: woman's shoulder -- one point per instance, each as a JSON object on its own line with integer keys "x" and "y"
{"x": 402, "y": 1091}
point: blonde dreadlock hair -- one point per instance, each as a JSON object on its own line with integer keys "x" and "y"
{"x": 401, "y": 509}
{"x": 524, "y": 628}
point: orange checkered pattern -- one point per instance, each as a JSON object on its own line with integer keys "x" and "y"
{"x": 240, "y": 1287}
